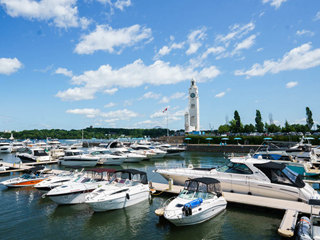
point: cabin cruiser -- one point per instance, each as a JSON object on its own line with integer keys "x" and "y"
{"x": 74, "y": 192}
{"x": 149, "y": 150}
{"x": 128, "y": 188}
{"x": 35, "y": 154}
{"x": 5, "y": 147}
{"x": 171, "y": 150}
{"x": 58, "y": 180}
{"x": 76, "y": 157}
{"x": 71, "y": 144}
{"x": 106, "y": 157}
{"x": 18, "y": 147}
{"x": 200, "y": 200}
{"x": 27, "y": 180}
{"x": 249, "y": 176}
{"x": 53, "y": 143}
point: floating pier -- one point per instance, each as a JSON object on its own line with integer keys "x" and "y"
{"x": 17, "y": 167}
{"x": 291, "y": 208}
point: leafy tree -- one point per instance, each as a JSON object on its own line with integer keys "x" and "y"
{"x": 288, "y": 128}
{"x": 309, "y": 118}
{"x": 224, "y": 129}
{"x": 259, "y": 123}
{"x": 248, "y": 128}
{"x": 272, "y": 128}
{"x": 238, "y": 121}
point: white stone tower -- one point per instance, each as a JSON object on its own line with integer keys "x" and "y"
{"x": 194, "y": 119}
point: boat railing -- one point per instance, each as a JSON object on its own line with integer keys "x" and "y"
{"x": 162, "y": 165}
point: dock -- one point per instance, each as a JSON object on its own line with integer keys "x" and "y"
{"x": 291, "y": 208}
{"x": 17, "y": 167}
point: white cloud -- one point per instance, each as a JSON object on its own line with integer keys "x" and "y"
{"x": 109, "y": 105}
{"x": 291, "y": 84}
{"x": 261, "y": 14}
{"x": 128, "y": 102}
{"x": 106, "y": 38}
{"x": 167, "y": 49}
{"x": 44, "y": 70}
{"x": 298, "y": 58}
{"x": 194, "y": 40}
{"x": 9, "y": 65}
{"x": 63, "y": 13}
{"x": 275, "y": 3}
{"x": 237, "y": 31}
{"x": 120, "y": 4}
{"x": 124, "y": 114}
{"x": 317, "y": 17}
{"x": 219, "y": 95}
{"x": 259, "y": 49}
{"x": 305, "y": 32}
{"x": 299, "y": 121}
{"x": 133, "y": 75}
{"x": 246, "y": 43}
{"x": 173, "y": 96}
{"x": 212, "y": 50}
{"x": 89, "y": 112}
{"x": 150, "y": 95}
{"x": 111, "y": 120}
{"x": 76, "y": 94}
{"x": 64, "y": 71}
{"x": 111, "y": 91}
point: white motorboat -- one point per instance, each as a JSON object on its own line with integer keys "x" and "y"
{"x": 71, "y": 144}
{"x": 27, "y": 180}
{"x": 53, "y": 143}
{"x": 5, "y": 147}
{"x": 76, "y": 157}
{"x": 74, "y": 192}
{"x": 132, "y": 188}
{"x": 35, "y": 154}
{"x": 106, "y": 157}
{"x": 58, "y": 180}
{"x": 200, "y": 201}
{"x": 171, "y": 150}
{"x": 18, "y": 147}
{"x": 250, "y": 176}
{"x": 2, "y": 167}
{"x": 149, "y": 150}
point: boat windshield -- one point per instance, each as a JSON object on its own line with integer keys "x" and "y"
{"x": 235, "y": 168}
{"x": 190, "y": 195}
{"x": 124, "y": 182}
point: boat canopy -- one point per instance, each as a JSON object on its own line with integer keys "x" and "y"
{"x": 133, "y": 174}
{"x": 101, "y": 170}
{"x": 278, "y": 173}
{"x": 207, "y": 185}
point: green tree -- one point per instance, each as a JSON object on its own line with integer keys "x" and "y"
{"x": 272, "y": 128}
{"x": 259, "y": 123}
{"x": 309, "y": 118}
{"x": 238, "y": 121}
{"x": 287, "y": 127}
{"x": 224, "y": 129}
{"x": 248, "y": 128}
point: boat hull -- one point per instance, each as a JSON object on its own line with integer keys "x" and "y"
{"x": 83, "y": 163}
{"x": 71, "y": 197}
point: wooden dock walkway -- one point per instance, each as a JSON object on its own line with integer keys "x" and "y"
{"x": 17, "y": 167}
{"x": 291, "y": 208}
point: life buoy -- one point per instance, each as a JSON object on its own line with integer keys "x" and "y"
{"x": 190, "y": 166}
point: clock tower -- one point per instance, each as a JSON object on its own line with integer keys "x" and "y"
{"x": 193, "y": 121}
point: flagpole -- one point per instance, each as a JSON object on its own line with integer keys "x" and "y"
{"x": 167, "y": 125}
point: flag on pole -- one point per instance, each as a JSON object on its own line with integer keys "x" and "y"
{"x": 165, "y": 110}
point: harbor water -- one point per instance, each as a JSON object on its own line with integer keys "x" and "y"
{"x": 25, "y": 214}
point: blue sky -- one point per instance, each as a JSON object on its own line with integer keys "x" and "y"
{"x": 119, "y": 63}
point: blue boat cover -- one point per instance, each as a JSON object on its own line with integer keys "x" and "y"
{"x": 194, "y": 203}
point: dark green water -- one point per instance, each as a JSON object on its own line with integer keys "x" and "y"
{"x": 26, "y": 215}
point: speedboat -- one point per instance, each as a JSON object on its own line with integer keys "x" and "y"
{"x": 106, "y": 157}
{"x": 5, "y": 147}
{"x": 132, "y": 188}
{"x": 75, "y": 157}
{"x": 71, "y": 144}
{"x": 200, "y": 200}
{"x": 18, "y": 147}
{"x": 58, "y": 180}
{"x": 249, "y": 176}
{"x": 149, "y": 150}
{"x": 27, "y": 180}
{"x": 35, "y": 154}
{"x": 74, "y": 192}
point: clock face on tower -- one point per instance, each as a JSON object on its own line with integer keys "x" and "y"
{"x": 192, "y": 95}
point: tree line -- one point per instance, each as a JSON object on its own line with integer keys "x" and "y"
{"x": 236, "y": 126}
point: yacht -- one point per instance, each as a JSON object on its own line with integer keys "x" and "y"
{"x": 74, "y": 192}
{"x": 58, "y": 180}
{"x": 171, "y": 150}
{"x": 106, "y": 157}
{"x": 18, "y": 147}
{"x": 200, "y": 200}
{"x": 53, "y": 143}
{"x": 128, "y": 188}
{"x": 251, "y": 176}
{"x": 35, "y": 154}
{"x": 71, "y": 144}
{"x": 76, "y": 157}
{"x": 5, "y": 147}
{"x": 149, "y": 150}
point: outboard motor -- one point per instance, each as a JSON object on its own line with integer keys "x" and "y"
{"x": 304, "y": 229}
{"x": 187, "y": 208}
